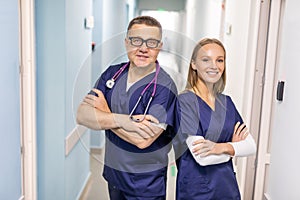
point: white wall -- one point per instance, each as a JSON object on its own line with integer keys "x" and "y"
{"x": 202, "y": 19}
{"x": 168, "y": 5}
{"x": 240, "y": 40}
{"x": 285, "y": 160}
{"x": 236, "y": 43}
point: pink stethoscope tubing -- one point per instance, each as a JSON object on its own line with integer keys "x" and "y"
{"x": 110, "y": 83}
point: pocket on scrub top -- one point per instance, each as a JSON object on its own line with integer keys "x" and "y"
{"x": 196, "y": 186}
{"x": 152, "y": 182}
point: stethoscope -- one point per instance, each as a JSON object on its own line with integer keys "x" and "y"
{"x": 111, "y": 82}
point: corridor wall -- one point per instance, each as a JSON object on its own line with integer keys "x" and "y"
{"x": 10, "y": 168}
{"x": 62, "y": 48}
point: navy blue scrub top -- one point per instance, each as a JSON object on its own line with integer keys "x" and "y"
{"x": 139, "y": 172}
{"x": 195, "y": 117}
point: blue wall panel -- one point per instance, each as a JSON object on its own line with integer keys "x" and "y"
{"x": 10, "y": 167}
{"x": 63, "y": 45}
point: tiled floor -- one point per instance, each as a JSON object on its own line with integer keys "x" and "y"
{"x": 97, "y": 187}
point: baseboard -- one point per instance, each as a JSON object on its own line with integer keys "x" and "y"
{"x": 267, "y": 196}
{"x": 22, "y": 198}
{"x": 96, "y": 150}
{"x": 85, "y": 188}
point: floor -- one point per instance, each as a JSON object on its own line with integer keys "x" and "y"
{"x": 97, "y": 187}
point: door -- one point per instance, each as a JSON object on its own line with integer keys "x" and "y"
{"x": 264, "y": 98}
{"x": 284, "y": 172}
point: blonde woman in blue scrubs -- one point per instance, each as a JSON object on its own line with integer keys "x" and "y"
{"x": 210, "y": 129}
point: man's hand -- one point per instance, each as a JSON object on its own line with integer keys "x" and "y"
{"x": 146, "y": 129}
{"x": 99, "y": 102}
{"x": 140, "y": 130}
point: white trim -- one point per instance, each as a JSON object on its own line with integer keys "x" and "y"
{"x": 95, "y": 147}
{"x": 85, "y": 187}
{"x": 242, "y": 163}
{"x": 73, "y": 137}
{"x": 268, "y": 158}
{"x": 27, "y": 98}
{"x": 267, "y": 196}
{"x": 21, "y": 198}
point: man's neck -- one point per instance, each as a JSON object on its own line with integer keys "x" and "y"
{"x": 136, "y": 73}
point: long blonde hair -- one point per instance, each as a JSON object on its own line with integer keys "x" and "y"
{"x": 192, "y": 74}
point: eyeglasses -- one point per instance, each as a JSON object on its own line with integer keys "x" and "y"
{"x": 137, "y": 42}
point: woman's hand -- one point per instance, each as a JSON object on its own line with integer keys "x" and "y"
{"x": 240, "y": 132}
{"x": 205, "y": 147}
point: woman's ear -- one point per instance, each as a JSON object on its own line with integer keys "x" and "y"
{"x": 193, "y": 64}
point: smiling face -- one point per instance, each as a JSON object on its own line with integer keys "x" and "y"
{"x": 209, "y": 63}
{"x": 143, "y": 56}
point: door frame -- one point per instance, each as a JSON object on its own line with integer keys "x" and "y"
{"x": 27, "y": 99}
{"x": 262, "y": 13}
{"x": 268, "y": 100}
{"x": 256, "y": 180}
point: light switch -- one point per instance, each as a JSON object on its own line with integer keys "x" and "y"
{"x": 228, "y": 27}
{"x": 89, "y": 22}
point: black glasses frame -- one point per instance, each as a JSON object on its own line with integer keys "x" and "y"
{"x": 144, "y": 41}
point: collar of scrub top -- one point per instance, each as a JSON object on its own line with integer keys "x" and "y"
{"x": 110, "y": 83}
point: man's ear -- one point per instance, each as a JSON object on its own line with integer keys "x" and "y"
{"x": 126, "y": 41}
{"x": 160, "y": 45}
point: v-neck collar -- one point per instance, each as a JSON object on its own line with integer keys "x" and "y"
{"x": 145, "y": 80}
{"x": 133, "y": 83}
{"x": 204, "y": 102}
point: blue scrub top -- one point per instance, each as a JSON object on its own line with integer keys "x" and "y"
{"x": 139, "y": 172}
{"x": 195, "y": 117}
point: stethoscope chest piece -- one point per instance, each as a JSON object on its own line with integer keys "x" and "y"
{"x": 110, "y": 83}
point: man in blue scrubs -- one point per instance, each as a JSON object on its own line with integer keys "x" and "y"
{"x": 134, "y": 103}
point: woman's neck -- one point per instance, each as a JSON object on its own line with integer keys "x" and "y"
{"x": 205, "y": 92}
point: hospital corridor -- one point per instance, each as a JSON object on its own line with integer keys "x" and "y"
{"x": 53, "y": 52}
